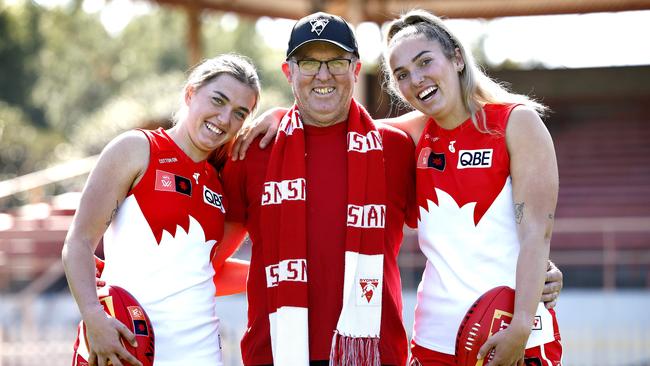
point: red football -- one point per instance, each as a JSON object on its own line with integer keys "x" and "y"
{"x": 490, "y": 313}
{"x": 121, "y": 305}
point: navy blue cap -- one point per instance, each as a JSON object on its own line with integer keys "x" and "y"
{"x": 322, "y": 27}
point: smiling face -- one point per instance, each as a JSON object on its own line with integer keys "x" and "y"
{"x": 323, "y": 99}
{"x": 426, "y": 78}
{"x": 216, "y": 111}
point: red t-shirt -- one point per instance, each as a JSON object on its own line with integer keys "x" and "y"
{"x": 326, "y": 170}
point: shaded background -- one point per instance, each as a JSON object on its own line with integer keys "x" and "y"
{"x": 74, "y": 74}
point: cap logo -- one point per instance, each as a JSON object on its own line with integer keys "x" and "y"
{"x": 318, "y": 25}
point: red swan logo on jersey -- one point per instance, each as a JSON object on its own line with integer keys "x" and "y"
{"x": 466, "y": 175}
{"x": 168, "y": 212}
{"x": 466, "y": 188}
{"x": 475, "y": 167}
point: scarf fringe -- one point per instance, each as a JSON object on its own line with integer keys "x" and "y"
{"x": 354, "y": 351}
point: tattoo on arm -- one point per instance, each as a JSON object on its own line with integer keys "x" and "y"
{"x": 113, "y": 213}
{"x": 519, "y": 212}
{"x": 551, "y": 216}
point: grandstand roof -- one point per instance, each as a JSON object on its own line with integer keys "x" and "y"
{"x": 382, "y": 10}
{"x": 379, "y": 11}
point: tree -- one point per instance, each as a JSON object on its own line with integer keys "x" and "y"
{"x": 20, "y": 39}
{"x": 25, "y": 148}
{"x": 75, "y": 67}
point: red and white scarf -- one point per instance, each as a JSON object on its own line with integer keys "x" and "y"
{"x": 356, "y": 339}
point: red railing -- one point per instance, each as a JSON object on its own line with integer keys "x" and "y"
{"x": 602, "y": 244}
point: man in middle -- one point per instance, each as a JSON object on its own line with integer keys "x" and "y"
{"x": 324, "y": 208}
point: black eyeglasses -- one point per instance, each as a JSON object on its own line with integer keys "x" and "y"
{"x": 337, "y": 66}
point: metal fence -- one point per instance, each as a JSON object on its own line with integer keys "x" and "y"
{"x": 53, "y": 347}
{"x": 599, "y": 328}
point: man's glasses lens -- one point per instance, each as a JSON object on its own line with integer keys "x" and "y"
{"x": 336, "y": 66}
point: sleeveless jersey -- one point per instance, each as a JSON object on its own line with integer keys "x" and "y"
{"x": 159, "y": 247}
{"x": 466, "y": 227}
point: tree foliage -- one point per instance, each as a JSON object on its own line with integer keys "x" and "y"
{"x": 75, "y": 67}
{"x": 19, "y": 42}
{"x": 24, "y": 147}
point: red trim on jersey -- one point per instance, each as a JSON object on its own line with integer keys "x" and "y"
{"x": 174, "y": 184}
{"x": 439, "y": 150}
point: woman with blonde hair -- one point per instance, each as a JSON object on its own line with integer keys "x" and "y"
{"x": 158, "y": 203}
{"x": 487, "y": 185}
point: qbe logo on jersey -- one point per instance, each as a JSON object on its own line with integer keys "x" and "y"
{"x": 213, "y": 199}
{"x": 481, "y": 158}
